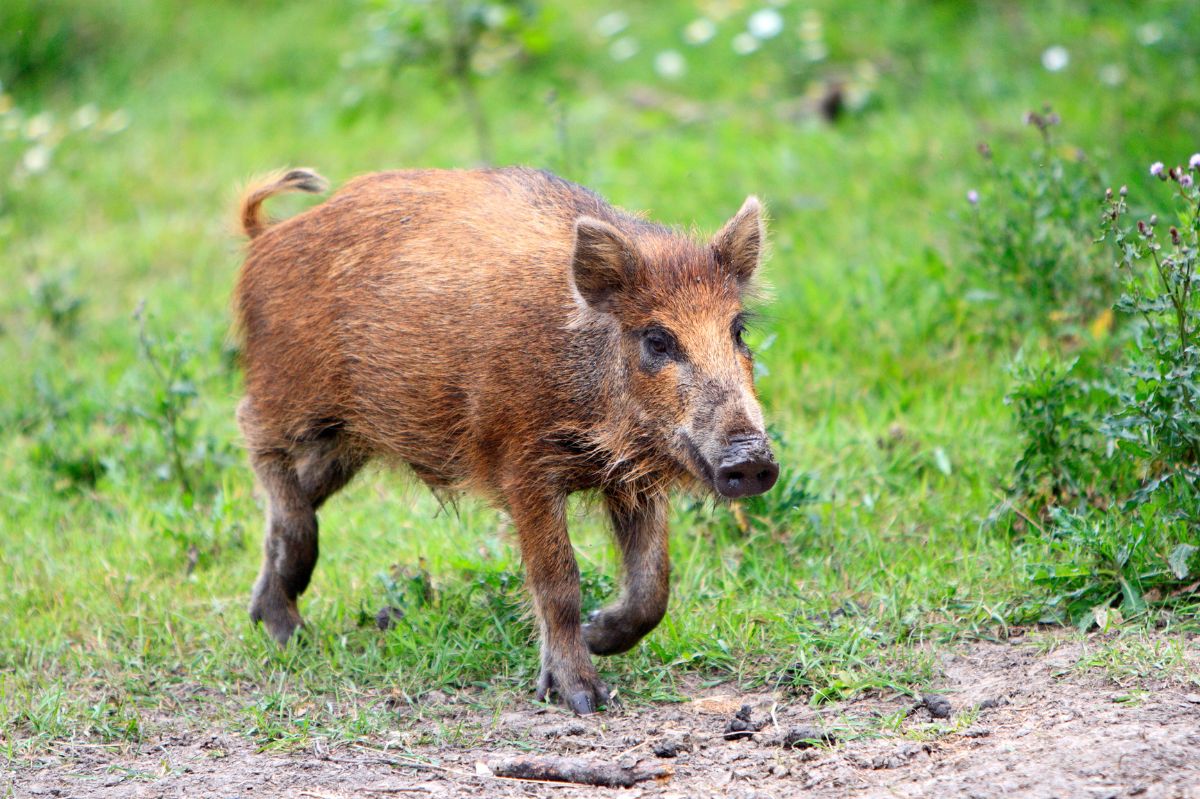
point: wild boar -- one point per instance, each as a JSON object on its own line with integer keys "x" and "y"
{"x": 509, "y": 333}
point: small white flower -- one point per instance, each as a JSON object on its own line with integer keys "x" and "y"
{"x": 1150, "y": 33}
{"x": 744, "y": 44}
{"x": 1185, "y": 180}
{"x": 623, "y": 49}
{"x": 1112, "y": 75}
{"x": 973, "y": 197}
{"x": 1194, "y": 161}
{"x": 85, "y": 116}
{"x": 1056, "y": 58}
{"x": 765, "y": 24}
{"x": 699, "y": 31}
{"x": 495, "y": 16}
{"x": 612, "y": 23}
{"x": 670, "y": 64}
{"x": 1156, "y": 169}
{"x": 36, "y": 159}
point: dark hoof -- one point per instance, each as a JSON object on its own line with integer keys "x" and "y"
{"x": 585, "y": 696}
{"x": 279, "y": 616}
{"x": 611, "y": 631}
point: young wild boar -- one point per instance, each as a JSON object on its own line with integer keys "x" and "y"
{"x": 507, "y": 332}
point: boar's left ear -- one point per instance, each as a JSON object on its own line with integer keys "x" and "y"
{"x": 739, "y": 245}
{"x": 604, "y": 263}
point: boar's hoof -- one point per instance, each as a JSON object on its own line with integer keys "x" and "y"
{"x": 280, "y": 617}
{"x": 583, "y": 695}
{"x": 615, "y": 630}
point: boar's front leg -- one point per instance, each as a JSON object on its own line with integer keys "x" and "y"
{"x": 640, "y": 526}
{"x": 553, "y": 579}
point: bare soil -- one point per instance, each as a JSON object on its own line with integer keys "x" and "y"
{"x": 1024, "y": 721}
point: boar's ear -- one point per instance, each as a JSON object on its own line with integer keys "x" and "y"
{"x": 739, "y": 245}
{"x": 604, "y": 263}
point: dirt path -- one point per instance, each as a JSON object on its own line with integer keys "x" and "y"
{"x": 1024, "y": 722}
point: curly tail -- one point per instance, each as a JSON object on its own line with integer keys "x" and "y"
{"x": 250, "y": 207}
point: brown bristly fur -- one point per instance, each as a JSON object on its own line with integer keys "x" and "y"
{"x": 488, "y": 329}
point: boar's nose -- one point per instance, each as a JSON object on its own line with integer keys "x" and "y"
{"x": 748, "y": 468}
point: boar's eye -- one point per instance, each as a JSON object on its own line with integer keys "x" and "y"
{"x": 658, "y": 346}
{"x": 738, "y": 329}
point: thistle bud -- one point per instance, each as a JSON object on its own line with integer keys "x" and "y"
{"x": 1124, "y": 191}
{"x": 1175, "y": 239}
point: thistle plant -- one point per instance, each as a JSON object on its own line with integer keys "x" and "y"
{"x": 1157, "y": 418}
{"x": 1034, "y": 253}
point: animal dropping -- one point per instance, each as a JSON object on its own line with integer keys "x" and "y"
{"x": 508, "y": 333}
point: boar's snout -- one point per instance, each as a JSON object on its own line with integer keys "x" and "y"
{"x": 747, "y": 468}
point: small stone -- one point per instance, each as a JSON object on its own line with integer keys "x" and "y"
{"x": 938, "y": 706}
{"x": 976, "y": 732}
{"x": 742, "y": 725}
{"x": 387, "y": 617}
{"x": 805, "y": 738}
{"x": 671, "y": 747}
{"x": 434, "y": 697}
{"x": 1193, "y": 698}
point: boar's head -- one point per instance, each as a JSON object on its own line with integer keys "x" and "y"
{"x": 689, "y": 375}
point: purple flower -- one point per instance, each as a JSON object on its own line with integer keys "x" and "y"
{"x": 1194, "y": 161}
{"x": 1156, "y": 169}
{"x": 973, "y": 197}
{"x": 1185, "y": 180}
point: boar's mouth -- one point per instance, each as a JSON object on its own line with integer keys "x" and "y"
{"x": 700, "y": 465}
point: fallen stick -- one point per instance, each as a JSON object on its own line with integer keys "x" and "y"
{"x": 574, "y": 770}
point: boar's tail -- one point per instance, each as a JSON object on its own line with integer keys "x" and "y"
{"x": 250, "y": 208}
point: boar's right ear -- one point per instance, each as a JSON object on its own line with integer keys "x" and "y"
{"x": 604, "y": 262}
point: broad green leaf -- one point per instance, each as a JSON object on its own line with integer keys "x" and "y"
{"x": 1178, "y": 560}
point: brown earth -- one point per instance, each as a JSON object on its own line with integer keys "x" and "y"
{"x": 1024, "y": 721}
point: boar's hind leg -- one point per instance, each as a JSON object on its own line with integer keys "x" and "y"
{"x": 296, "y": 481}
{"x": 553, "y": 579}
{"x": 640, "y": 527}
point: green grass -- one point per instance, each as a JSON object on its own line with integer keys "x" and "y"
{"x": 885, "y": 381}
